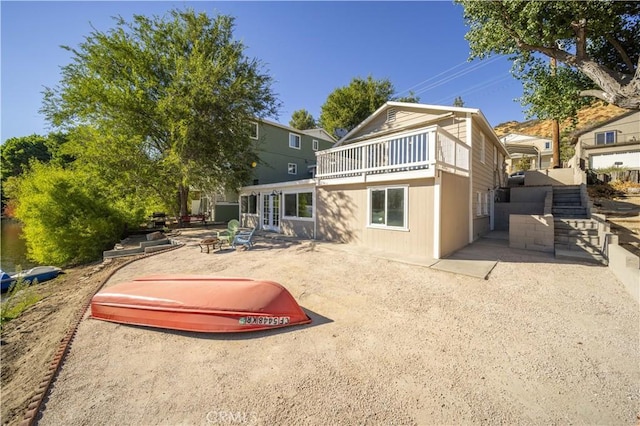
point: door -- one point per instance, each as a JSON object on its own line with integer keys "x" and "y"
{"x": 271, "y": 212}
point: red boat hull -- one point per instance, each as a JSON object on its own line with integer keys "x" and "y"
{"x": 199, "y": 303}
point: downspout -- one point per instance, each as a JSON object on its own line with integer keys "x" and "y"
{"x": 437, "y": 201}
{"x": 469, "y": 138}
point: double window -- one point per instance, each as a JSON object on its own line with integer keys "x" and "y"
{"x": 388, "y": 207}
{"x": 298, "y": 205}
{"x": 315, "y": 144}
{"x": 294, "y": 141}
{"x": 292, "y": 168}
{"x": 605, "y": 138}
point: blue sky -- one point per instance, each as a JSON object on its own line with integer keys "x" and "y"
{"x": 310, "y": 48}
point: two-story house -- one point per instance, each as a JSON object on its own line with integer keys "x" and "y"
{"x": 285, "y": 154}
{"x": 613, "y": 143}
{"x": 411, "y": 179}
{"x": 538, "y": 151}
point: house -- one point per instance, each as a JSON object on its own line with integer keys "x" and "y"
{"x": 538, "y": 150}
{"x": 411, "y": 179}
{"x": 613, "y": 143}
{"x": 285, "y": 154}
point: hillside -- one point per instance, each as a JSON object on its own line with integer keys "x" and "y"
{"x": 588, "y": 116}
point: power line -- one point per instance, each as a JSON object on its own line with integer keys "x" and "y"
{"x": 449, "y": 77}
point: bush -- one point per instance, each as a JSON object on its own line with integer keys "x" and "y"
{"x": 19, "y": 297}
{"x": 66, "y": 218}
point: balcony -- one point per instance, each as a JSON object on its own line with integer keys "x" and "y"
{"x": 411, "y": 154}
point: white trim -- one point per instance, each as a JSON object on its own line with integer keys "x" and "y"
{"x": 299, "y": 141}
{"x": 469, "y": 140}
{"x": 278, "y": 185}
{"x": 257, "y": 131}
{"x": 297, "y": 192}
{"x": 405, "y": 209}
{"x": 292, "y": 166}
{"x": 427, "y": 173}
{"x": 437, "y": 206}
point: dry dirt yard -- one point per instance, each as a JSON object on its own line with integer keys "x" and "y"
{"x": 539, "y": 342}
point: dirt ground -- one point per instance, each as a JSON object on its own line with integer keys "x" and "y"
{"x": 540, "y": 341}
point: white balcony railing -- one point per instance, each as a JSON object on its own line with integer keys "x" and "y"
{"x": 429, "y": 148}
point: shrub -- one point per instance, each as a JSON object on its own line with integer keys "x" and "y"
{"x": 19, "y": 297}
{"x": 66, "y": 218}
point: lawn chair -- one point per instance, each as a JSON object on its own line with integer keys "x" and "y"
{"x": 243, "y": 238}
{"x": 227, "y": 235}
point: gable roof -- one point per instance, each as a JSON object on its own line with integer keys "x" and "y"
{"x": 575, "y": 135}
{"x": 321, "y": 135}
{"x": 426, "y": 107}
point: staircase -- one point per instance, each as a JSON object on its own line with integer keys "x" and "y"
{"x": 576, "y": 235}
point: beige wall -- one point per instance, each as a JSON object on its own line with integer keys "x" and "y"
{"x": 485, "y": 176}
{"x": 626, "y": 129}
{"x": 454, "y": 219}
{"x": 343, "y": 217}
{"x": 298, "y": 228}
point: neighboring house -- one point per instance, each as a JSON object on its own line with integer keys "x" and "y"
{"x": 538, "y": 150}
{"x": 285, "y": 154}
{"x": 413, "y": 179}
{"x": 613, "y": 143}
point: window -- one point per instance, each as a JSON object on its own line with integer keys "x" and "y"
{"x": 482, "y": 203}
{"x": 249, "y": 204}
{"x": 547, "y": 145}
{"x": 253, "y": 130}
{"x": 483, "y": 147}
{"x": 387, "y": 207}
{"x": 294, "y": 141}
{"x": 605, "y": 138}
{"x": 391, "y": 115}
{"x": 292, "y": 168}
{"x": 298, "y": 205}
{"x": 495, "y": 155}
{"x": 315, "y": 144}
{"x": 485, "y": 204}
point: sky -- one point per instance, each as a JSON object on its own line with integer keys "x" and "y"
{"x": 309, "y": 48}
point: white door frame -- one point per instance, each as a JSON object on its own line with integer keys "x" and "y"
{"x": 270, "y": 211}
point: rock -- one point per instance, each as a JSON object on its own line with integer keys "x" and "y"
{"x": 155, "y": 236}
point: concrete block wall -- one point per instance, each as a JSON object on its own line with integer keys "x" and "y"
{"x": 532, "y": 232}
{"x": 625, "y": 266}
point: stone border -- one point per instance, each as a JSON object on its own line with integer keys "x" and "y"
{"x": 35, "y": 403}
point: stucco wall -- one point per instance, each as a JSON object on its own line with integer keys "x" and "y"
{"x": 454, "y": 219}
{"x": 343, "y": 217}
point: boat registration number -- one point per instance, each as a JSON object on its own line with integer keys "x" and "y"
{"x": 264, "y": 320}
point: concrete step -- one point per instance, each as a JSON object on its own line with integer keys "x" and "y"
{"x": 566, "y": 188}
{"x": 573, "y": 223}
{"x": 578, "y": 241}
{"x": 573, "y": 232}
{"x": 580, "y": 255}
{"x": 569, "y": 212}
{"x": 567, "y": 204}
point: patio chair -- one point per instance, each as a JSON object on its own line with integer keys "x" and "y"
{"x": 243, "y": 238}
{"x": 227, "y": 235}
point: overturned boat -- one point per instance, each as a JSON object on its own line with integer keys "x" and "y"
{"x": 199, "y": 303}
{"x": 39, "y": 273}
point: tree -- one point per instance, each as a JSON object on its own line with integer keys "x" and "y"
{"x": 597, "y": 38}
{"x": 17, "y": 153}
{"x": 66, "y": 219}
{"x": 458, "y": 102}
{"x": 348, "y": 106}
{"x": 302, "y": 120}
{"x": 178, "y": 92}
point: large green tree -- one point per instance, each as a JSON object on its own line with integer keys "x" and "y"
{"x": 16, "y": 154}
{"x": 599, "y": 39}
{"x": 302, "y": 120}
{"x": 165, "y": 101}
{"x": 348, "y": 106}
